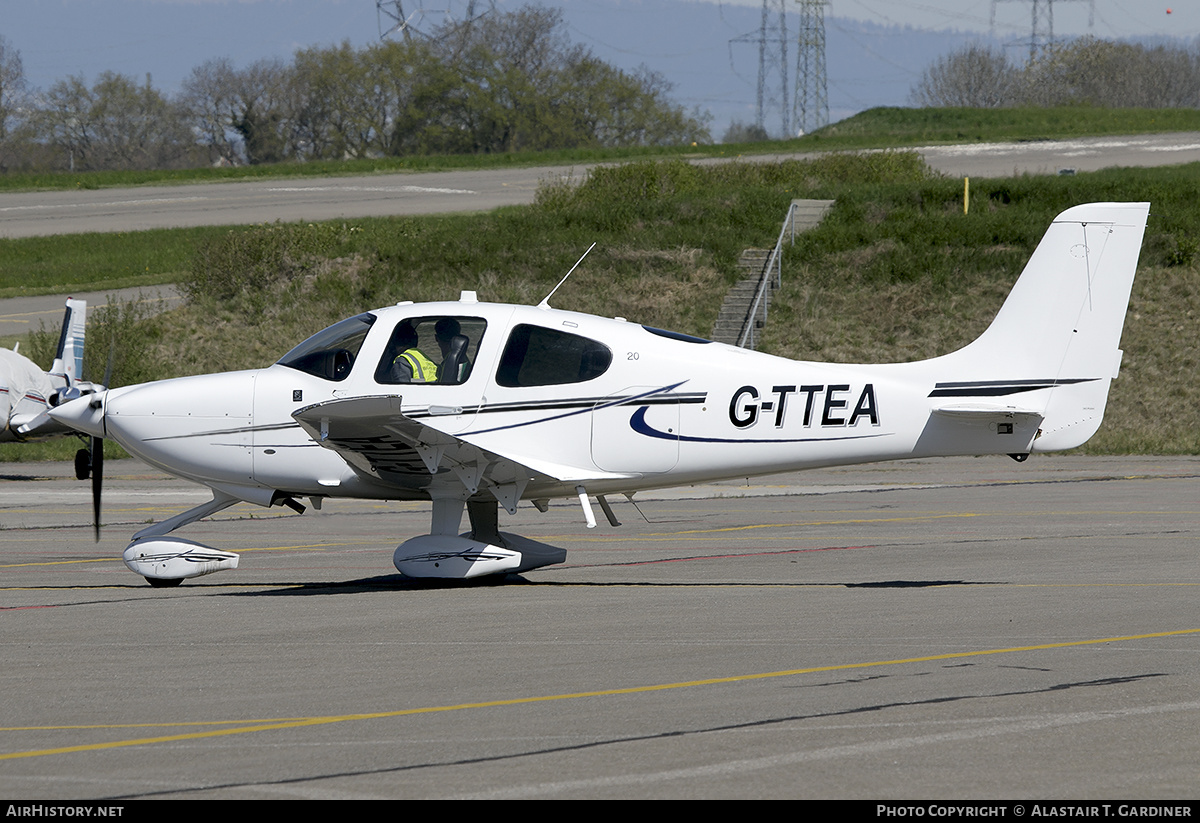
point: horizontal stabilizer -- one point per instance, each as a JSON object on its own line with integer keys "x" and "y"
{"x": 26, "y": 423}
{"x": 980, "y": 428}
{"x": 984, "y": 411}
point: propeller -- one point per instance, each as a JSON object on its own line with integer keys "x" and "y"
{"x": 96, "y": 447}
{"x": 96, "y": 451}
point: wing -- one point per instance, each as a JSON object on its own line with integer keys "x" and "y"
{"x": 378, "y": 440}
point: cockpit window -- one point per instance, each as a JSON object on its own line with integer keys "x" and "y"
{"x": 439, "y": 349}
{"x": 330, "y": 354}
{"x": 536, "y": 356}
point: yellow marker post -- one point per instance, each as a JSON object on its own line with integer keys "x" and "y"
{"x": 966, "y": 193}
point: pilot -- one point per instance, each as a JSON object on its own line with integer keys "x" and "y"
{"x": 411, "y": 365}
{"x": 445, "y": 330}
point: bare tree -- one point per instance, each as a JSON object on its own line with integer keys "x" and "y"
{"x": 115, "y": 124}
{"x": 242, "y": 115}
{"x": 972, "y": 77}
{"x": 1081, "y": 72}
{"x": 262, "y": 115}
{"x": 1115, "y": 75}
{"x": 64, "y": 120}
{"x": 137, "y": 127}
{"x": 210, "y": 101}
{"x": 14, "y": 101}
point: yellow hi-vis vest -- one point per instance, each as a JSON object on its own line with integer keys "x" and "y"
{"x": 424, "y": 370}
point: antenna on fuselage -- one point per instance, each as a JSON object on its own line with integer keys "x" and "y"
{"x": 545, "y": 304}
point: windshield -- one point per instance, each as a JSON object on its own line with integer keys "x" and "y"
{"x": 330, "y": 354}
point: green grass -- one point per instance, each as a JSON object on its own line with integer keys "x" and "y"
{"x": 874, "y": 128}
{"x": 90, "y": 262}
{"x": 898, "y": 127}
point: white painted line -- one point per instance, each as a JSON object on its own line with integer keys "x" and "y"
{"x": 382, "y": 189}
{"x": 153, "y": 202}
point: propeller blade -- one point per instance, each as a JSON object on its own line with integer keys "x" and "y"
{"x": 108, "y": 369}
{"x": 97, "y": 450}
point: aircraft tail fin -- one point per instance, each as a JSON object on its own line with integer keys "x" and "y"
{"x": 68, "y": 359}
{"x": 1054, "y": 343}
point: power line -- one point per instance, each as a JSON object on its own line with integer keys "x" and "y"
{"x": 393, "y": 19}
{"x": 1041, "y": 34}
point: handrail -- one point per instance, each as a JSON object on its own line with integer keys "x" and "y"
{"x": 774, "y": 264}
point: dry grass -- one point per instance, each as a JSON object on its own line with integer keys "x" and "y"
{"x": 836, "y": 315}
{"x": 1154, "y": 407}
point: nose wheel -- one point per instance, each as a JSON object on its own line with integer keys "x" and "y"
{"x": 83, "y": 464}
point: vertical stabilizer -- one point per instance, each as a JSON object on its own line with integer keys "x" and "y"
{"x": 68, "y": 359}
{"x": 1055, "y": 342}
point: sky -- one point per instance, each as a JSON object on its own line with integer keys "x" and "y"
{"x": 1110, "y": 19}
{"x": 877, "y": 48}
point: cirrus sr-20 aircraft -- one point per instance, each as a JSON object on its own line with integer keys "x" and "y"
{"x": 534, "y": 403}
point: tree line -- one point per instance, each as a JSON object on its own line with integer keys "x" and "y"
{"x": 506, "y": 82}
{"x": 1086, "y": 71}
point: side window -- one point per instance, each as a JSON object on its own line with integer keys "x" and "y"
{"x": 438, "y": 349}
{"x": 536, "y": 356}
{"x": 330, "y": 353}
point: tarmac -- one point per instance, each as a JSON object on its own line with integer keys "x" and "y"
{"x": 966, "y": 628}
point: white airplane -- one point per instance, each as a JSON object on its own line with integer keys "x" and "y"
{"x": 27, "y": 392}
{"x": 533, "y": 403}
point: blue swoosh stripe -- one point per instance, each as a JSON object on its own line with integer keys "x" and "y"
{"x": 638, "y": 423}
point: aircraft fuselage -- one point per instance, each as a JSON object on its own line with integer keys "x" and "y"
{"x": 633, "y": 407}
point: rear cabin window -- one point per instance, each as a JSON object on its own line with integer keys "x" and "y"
{"x": 536, "y": 356}
{"x": 439, "y": 349}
